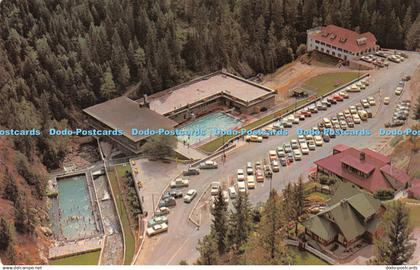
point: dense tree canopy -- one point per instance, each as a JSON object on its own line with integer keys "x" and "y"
{"x": 57, "y": 56}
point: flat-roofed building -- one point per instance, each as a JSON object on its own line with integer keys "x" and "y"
{"x": 204, "y": 94}
{"x": 340, "y": 42}
{"x": 124, "y": 114}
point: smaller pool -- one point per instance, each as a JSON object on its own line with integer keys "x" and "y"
{"x": 207, "y": 123}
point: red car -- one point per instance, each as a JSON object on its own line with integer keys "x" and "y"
{"x": 306, "y": 113}
{"x": 259, "y": 176}
{"x": 338, "y": 97}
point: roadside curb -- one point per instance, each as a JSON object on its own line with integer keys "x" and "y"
{"x": 195, "y": 206}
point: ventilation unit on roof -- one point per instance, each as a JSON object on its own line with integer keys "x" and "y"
{"x": 325, "y": 34}
{"x": 333, "y": 36}
{"x": 361, "y": 41}
{"x": 343, "y": 40}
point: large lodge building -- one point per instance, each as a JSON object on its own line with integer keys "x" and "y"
{"x": 340, "y": 42}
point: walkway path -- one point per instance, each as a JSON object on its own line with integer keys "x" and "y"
{"x": 189, "y": 152}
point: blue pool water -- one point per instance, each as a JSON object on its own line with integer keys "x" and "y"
{"x": 75, "y": 209}
{"x": 207, "y": 123}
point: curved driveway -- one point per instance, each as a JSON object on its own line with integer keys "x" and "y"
{"x": 181, "y": 240}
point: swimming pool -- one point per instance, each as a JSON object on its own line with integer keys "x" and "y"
{"x": 75, "y": 208}
{"x": 207, "y": 123}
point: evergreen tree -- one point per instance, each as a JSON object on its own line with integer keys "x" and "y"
{"x": 266, "y": 245}
{"x": 22, "y": 223}
{"x": 299, "y": 202}
{"x": 219, "y": 222}
{"x": 6, "y": 234}
{"x": 412, "y": 40}
{"x": 10, "y": 191}
{"x": 108, "y": 88}
{"x": 289, "y": 208}
{"x": 396, "y": 246}
{"x": 208, "y": 251}
{"x": 239, "y": 222}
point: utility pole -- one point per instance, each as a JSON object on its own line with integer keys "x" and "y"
{"x": 153, "y": 203}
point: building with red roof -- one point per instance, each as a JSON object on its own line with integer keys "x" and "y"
{"x": 367, "y": 169}
{"x": 340, "y": 42}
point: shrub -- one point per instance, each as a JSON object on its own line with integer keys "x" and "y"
{"x": 384, "y": 194}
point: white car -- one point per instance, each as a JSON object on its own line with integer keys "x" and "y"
{"x": 386, "y": 100}
{"x": 297, "y": 154}
{"x": 294, "y": 143}
{"x": 232, "y": 192}
{"x": 398, "y": 90}
{"x": 356, "y": 118}
{"x": 318, "y": 140}
{"x": 240, "y": 175}
{"x": 190, "y": 195}
{"x": 241, "y": 187}
{"x": 275, "y": 166}
{"x": 304, "y": 148}
{"x": 311, "y": 145}
{"x": 371, "y": 101}
{"x": 160, "y": 228}
{"x": 253, "y": 138}
{"x": 208, "y": 164}
{"x": 214, "y": 189}
{"x": 179, "y": 183}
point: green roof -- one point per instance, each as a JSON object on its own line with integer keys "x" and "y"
{"x": 347, "y": 211}
{"x": 321, "y": 227}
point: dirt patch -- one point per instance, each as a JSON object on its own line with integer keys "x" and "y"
{"x": 294, "y": 75}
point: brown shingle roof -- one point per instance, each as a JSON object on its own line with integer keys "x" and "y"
{"x": 124, "y": 114}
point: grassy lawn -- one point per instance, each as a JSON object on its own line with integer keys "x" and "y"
{"x": 318, "y": 197}
{"x": 215, "y": 144}
{"x": 129, "y": 237}
{"x": 305, "y": 258}
{"x": 90, "y": 258}
{"x": 414, "y": 215}
{"x": 324, "y": 83}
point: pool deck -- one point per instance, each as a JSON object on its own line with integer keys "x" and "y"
{"x": 75, "y": 248}
{"x": 189, "y": 152}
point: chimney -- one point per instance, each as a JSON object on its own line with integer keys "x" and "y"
{"x": 145, "y": 102}
{"x": 362, "y": 156}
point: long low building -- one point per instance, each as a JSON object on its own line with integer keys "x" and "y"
{"x": 125, "y": 114}
{"x": 177, "y": 105}
{"x": 204, "y": 94}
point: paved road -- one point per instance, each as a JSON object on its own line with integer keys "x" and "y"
{"x": 181, "y": 240}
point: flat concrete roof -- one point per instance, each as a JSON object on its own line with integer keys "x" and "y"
{"x": 124, "y": 114}
{"x": 203, "y": 87}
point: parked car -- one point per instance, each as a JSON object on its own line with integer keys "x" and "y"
{"x": 259, "y": 176}
{"x": 283, "y": 161}
{"x": 267, "y": 171}
{"x": 162, "y": 211}
{"x": 156, "y": 221}
{"x": 272, "y": 155}
{"x": 232, "y": 192}
{"x": 294, "y": 143}
{"x": 280, "y": 152}
{"x": 371, "y": 101}
{"x": 240, "y": 175}
{"x": 242, "y": 187}
{"x": 398, "y": 91}
{"x": 179, "y": 183}
{"x": 275, "y": 166}
{"x": 190, "y": 195}
{"x": 331, "y": 100}
{"x": 304, "y": 148}
{"x": 253, "y": 138}
{"x": 318, "y": 140}
{"x": 297, "y": 154}
{"x": 208, "y": 164}
{"x": 191, "y": 171}
{"x": 215, "y": 187}
{"x": 311, "y": 145}
{"x": 258, "y": 165}
{"x": 250, "y": 181}
{"x": 287, "y": 148}
{"x": 176, "y": 194}
{"x": 343, "y": 94}
{"x": 249, "y": 168}
{"x": 157, "y": 229}
{"x": 325, "y": 137}
{"x": 167, "y": 202}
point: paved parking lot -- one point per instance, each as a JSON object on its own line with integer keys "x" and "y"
{"x": 180, "y": 241}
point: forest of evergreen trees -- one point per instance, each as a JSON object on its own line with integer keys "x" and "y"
{"x": 57, "y": 56}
